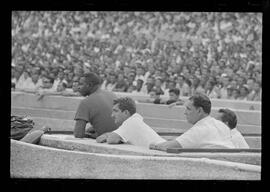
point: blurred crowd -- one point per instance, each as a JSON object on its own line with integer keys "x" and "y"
{"x": 217, "y": 53}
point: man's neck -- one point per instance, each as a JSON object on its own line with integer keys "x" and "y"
{"x": 202, "y": 117}
{"x": 94, "y": 89}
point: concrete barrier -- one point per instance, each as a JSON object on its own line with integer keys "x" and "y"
{"x": 58, "y": 112}
{"x": 34, "y": 161}
{"x": 60, "y": 120}
{"x": 176, "y": 124}
{"x": 219, "y": 103}
{"x": 68, "y": 125}
{"x": 67, "y": 141}
{"x": 148, "y": 110}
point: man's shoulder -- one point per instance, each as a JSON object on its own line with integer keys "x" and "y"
{"x": 207, "y": 122}
{"x": 106, "y": 92}
{"x": 134, "y": 117}
{"x": 99, "y": 95}
{"x": 236, "y": 132}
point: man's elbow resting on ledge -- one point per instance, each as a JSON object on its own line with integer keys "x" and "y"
{"x": 78, "y": 134}
{"x": 165, "y": 145}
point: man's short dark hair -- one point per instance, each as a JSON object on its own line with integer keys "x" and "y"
{"x": 126, "y": 103}
{"x": 228, "y": 117}
{"x": 92, "y": 78}
{"x": 201, "y": 100}
{"x": 176, "y": 91}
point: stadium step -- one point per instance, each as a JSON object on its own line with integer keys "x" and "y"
{"x": 153, "y": 122}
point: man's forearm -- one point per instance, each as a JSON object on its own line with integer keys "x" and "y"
{"x": 165, "y": 145}
{"x": 79, "y": 133}
{"x": 79, "y": 130}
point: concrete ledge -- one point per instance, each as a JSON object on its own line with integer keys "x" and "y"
{"x": 178, "y": 124}
{"x": 168, "y": 133}
{"x": 63, "y": 141}
{"x": 234, "y": 104}
{"x": 33, "y": 161}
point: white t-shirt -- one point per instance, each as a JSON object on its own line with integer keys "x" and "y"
{"x": 207, "y": 133}
{"x": 56, "y": 83}
{"x": 238, "y": 139}
{"x": 136, "y": 132}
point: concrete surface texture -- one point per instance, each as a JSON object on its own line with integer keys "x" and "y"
{"x": 60, "y": 120}
{"x": 58, "y": 112}
{"x": 234, "y": 104}
{"x": 166, "y": 121}
{"x": 34, "y": 161}
{"x": 247, "y": 117}
{"x": 63, "y": 156}
{"x": 90, "y": 145}
{"x": 155, "y": 114}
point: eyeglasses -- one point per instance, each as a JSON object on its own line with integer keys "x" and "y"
{"x": 46, "y": 81}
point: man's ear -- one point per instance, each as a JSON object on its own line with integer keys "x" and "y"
{"x": 200, "y": 110}
{"x": 127, "y": 113}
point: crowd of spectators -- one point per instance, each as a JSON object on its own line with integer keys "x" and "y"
{"x": 217, "y": 53}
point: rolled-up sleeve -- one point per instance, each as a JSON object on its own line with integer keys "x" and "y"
{"x": 126, "y": 131}
{"x": 189, "y": 139}
{"x": 83, "y": 112}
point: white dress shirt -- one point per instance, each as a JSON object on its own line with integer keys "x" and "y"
{"x": 136, "y": 132}
{"x": 207, "y": 133}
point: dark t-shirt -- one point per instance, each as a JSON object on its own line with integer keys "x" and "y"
{"x": 97, "y": 109}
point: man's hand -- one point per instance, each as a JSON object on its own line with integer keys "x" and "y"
{"x": 160, "y": 146}
{"x": 102, "y": 138}
{"x": 46, "y": 129}
{"x": 40, "y": 94}
{"x": 165, "y": 145}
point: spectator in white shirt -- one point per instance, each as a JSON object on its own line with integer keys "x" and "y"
{"x": 223, "y": 89}
{"x": 132, "y": 129}
{"x": 206, "y": 132}
{"x": 24, "y": 80}
{"x": 46, "y": 88}
{"x": 60, "y": 79}
{"x": 33, "y": 84}
{"x": 230, "y": 119}
{"x": 112, "y": 82}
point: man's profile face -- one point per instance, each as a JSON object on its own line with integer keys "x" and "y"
{"x": 118, "y": 115}
{"x": 84, "y": 88}
{"x": 46, "y": 83}
{"x": 173, "y": 96}
{"x": 191, "y": 113}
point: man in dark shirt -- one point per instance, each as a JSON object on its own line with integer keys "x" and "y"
{"x": 96, "y": 108}
{"x": 174, "y": 97}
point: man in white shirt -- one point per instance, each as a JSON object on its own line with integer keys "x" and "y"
{"x": 59, "y": 80}
{"x": 132, "y": 128}
{"x": 229, "y": 118}
{"x": 206, "y": 132}
{"x": 24, "y": 80}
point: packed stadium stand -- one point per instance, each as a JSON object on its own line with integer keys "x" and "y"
{"x": 217, "y": 53}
